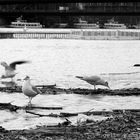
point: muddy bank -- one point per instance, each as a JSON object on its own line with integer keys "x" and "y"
{"x": 52, "y": 89}
{"x": 121, "y": 92}
{"x": 120, "y": 124}
{"x": 124, "y": 126}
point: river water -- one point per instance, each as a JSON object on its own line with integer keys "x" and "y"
{"x": 58, "y": 62}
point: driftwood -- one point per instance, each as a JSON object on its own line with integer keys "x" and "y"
{"x": 122, "y": 127}
{"x": 115, "y": 125}
{"x": 11, "y": 107}
{"x": 103, "y": 113}
{"x": 63, "y": 114}
{"x": 14, "y": 108}
{"x": 46, "y": 86}
{"x": 42, "y": 115}
{"x": 100, "y": 113}
{"x": 11, "y": 87}
{"x": 39, "y": 107}
{"x": 52, "y": 89}
{"x": 90, "y": 112}
{"x": 65, "y": 123}
{"x": 121, "y": 92}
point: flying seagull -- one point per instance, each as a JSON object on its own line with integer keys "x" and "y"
{"x": 94, "y": 80}
{"x": 29, "y": 90}
{"x": 10, "y": 69}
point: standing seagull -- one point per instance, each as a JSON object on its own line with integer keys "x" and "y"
{"x": 10, "y": 69}
{"x": 29, "y": 90}
{"x": 94, "y": 80}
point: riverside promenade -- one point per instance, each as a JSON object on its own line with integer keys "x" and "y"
{"x": 87, "y": 34}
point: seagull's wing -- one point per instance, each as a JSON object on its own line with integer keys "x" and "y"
{"x": 137, "y": 65}
{"x": 36, "y": 90}
{"x": 92, "y": 78}
{"x": 13, "y": 64}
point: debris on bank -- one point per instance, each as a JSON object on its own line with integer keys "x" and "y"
{"x": 122, "y": 126}
{"x": 119, "y": 125}
{"x": 14, "y": 108}
{"x": 121, "y": 92}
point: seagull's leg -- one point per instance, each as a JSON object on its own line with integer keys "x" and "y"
{"x": 12, "y": 79}
{"x": 29, "y": 103}
{"x": 94, "y": 87}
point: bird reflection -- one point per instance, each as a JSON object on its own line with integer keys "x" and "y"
{"x": 94, "y": 97}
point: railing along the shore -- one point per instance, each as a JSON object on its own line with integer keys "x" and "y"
{"x": 108, "y": 34}
{"x": 85, "y": 34}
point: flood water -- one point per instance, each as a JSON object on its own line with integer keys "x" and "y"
{"x": 58, "y": 62}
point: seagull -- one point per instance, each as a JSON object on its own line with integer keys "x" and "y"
{"x": 29, "y": 90}
{"x": 10, "y": 69}
{"x": 94, "y": 80}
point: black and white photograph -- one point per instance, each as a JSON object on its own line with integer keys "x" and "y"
{"x": 69, "y": 70}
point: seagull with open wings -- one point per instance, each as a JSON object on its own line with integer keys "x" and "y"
{"x": 10, "y": 69}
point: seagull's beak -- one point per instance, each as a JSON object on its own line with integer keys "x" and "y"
{"x": 80, "y": 77}
{"x": 19, "y": 79}
{"x": 26, "y": 78}
{"x": 108, "y": 86}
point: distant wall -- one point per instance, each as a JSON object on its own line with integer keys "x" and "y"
{"x": 87, "y": 34}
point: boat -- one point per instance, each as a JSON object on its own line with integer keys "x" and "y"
{"x": 82, "y": 24}
{"x": 63, "y": 25}
{"x": 20, "y": 23}
{"x": 114, "y": 25}
{"x": 136, "y": 26}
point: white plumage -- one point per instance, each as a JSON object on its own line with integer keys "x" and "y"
{"x": 10, "y": 69}
{"x": 94, "y": 80}
{"x": 29, "y": 90}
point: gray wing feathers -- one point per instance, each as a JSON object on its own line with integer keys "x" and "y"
{"x": 13, "y": 64}
{"x": 92, "y": 78}
{"x": 36, "y": 90}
